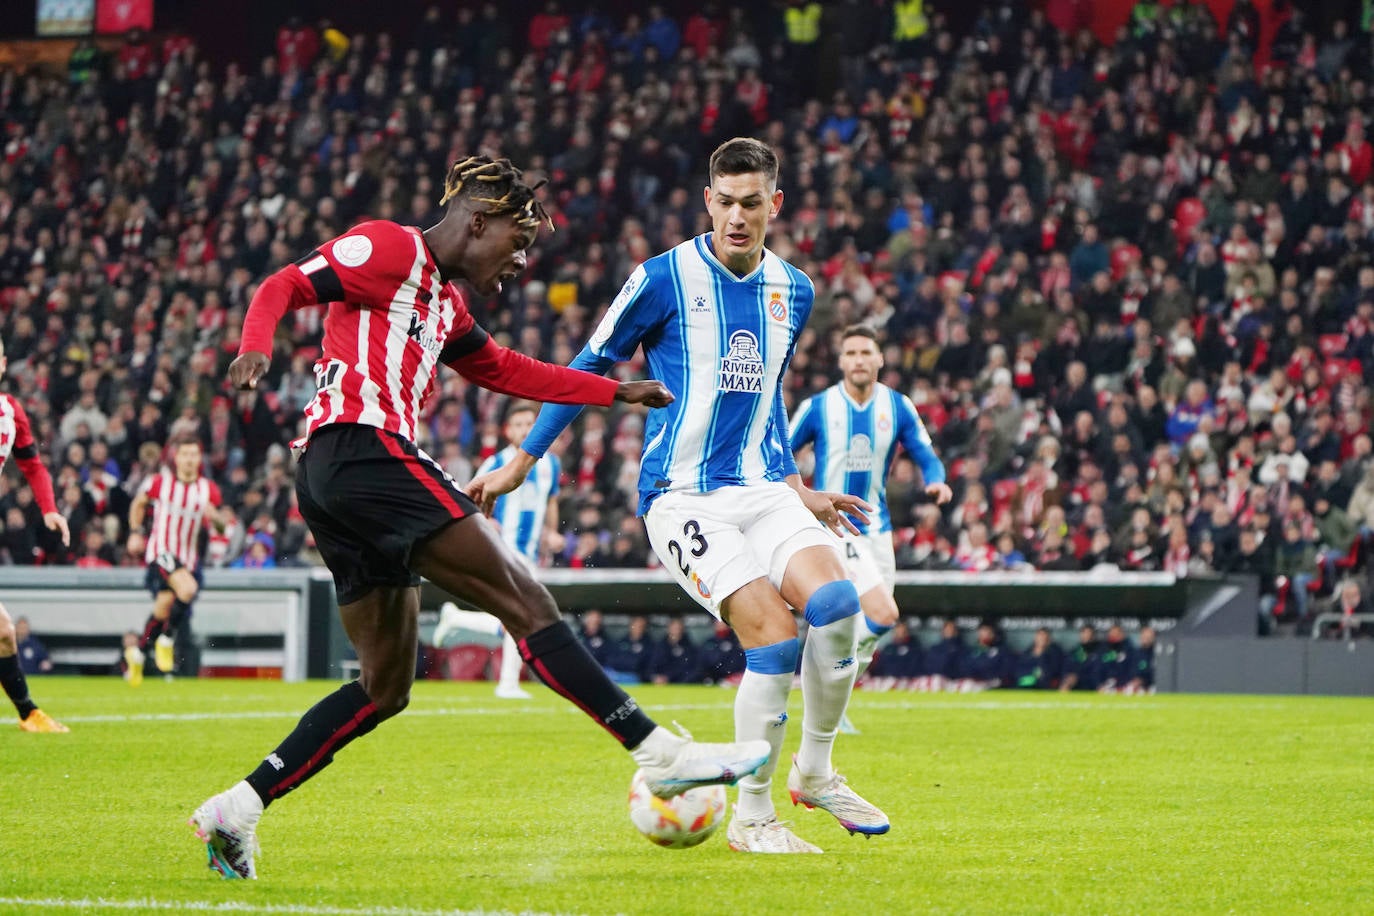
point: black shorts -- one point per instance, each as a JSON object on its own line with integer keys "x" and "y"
{"x": 155, "y": 580}
{"x": 369, "y": 496}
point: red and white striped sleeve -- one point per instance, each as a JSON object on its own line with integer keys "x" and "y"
{"x": 364, "y": 266}
{"x": 25, "y": 454}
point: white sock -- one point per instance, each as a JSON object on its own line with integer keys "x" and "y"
{"x": 511, "y": 663}
{"x": 246, "y": 800}
{"x": 827, "y": 680}
{"x": 761, "y": 712}
{"x": 659, "y": 748}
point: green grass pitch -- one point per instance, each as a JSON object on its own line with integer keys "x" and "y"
{"x": 1000, "y": 803}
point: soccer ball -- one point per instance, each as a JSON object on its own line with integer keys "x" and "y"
{"x": 678, "y": 822}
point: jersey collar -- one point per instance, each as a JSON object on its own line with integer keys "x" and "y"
{"x": 873, "y": 396}
{"x": 709, "y": 254}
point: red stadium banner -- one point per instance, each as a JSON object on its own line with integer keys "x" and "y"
{"x": 114, "y": 17}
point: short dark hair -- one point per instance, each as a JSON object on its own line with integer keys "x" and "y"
{"x": 861, "y": 330}
{"x": 498, "y": 184}
{"x": 515, "y": 407}
{"x": 187, "y": 440}
{"x": 744, "y": 156}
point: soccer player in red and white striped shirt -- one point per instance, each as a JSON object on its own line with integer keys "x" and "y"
{"x": 384, "y": 513}
{"x": 184, "y": 503}
{"x": 16, "y": 439}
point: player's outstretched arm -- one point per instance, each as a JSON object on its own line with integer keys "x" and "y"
{"x": 25, "y": 454}
{"x": 486, "y": 489}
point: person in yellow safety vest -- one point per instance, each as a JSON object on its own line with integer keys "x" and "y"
{"x": 803, "y": 21}
{"x": 909, "y": 27}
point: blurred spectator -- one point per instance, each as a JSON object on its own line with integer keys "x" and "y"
{"x": 674, "y": 659}
{"x": 722, "y": 657}
{"x": 1039, "y": 667}
{"x": 1082, "y": 665}
{"x": 628, "y": 659}
{"x": 593, "y": 637}
{"x": 33, "y": 655}
{"x": 900, "y": 661}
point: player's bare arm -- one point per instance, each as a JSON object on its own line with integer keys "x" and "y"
{"x": 247, "y": 368}
{"x": 138, "y": 509}
{"x": 56, "y": 521}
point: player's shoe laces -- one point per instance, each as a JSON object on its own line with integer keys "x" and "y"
{"x": 133, "y": 660}
{"x": 227, "y": 825}
{"x": 697, "y": 763}
{"x": 834, "y": 796}
{"x": 163, "y": 653}
{"x": 40, "y": 722}
{"x": 768, "y": 836}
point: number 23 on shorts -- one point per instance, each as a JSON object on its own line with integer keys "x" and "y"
{"x": 692, "y": 530}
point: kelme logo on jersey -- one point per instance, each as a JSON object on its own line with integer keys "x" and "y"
{"x": 860, "y": 454}
{"x": 742, "y": 367}
{"x": 699, "y": 304}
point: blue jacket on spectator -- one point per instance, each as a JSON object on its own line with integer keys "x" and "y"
{"x": 901, "y": 658}
{"x": 946, "y": 657}
{"x": 721, "y": 655}
{"x": 673, "y": 659}
{"x": 1039, "y": 671}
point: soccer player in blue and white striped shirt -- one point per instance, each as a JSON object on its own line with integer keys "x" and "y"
{"x": 854, "y": 428}
{"x": 726, "y": 512}
{"x": 527, "y": 516}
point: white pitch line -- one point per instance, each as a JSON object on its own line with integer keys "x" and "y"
{"x": 100, "y": 903}
{"x": 201, "y": 906}
{"x": 412, "y": 712}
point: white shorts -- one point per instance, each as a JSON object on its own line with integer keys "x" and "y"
{"x": 713, "y": 544}
{"x": 870, "y": 561}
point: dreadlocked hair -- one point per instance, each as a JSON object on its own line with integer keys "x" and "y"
{"x": 499, "y": 185}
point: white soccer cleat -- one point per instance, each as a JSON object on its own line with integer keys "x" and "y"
{"x": 227, "y": 825}
{"x": 697, "y": 764}
{"x": 766, "y": 836}
{"x": 834, "y": 796}
{"x": 504, "y": 692}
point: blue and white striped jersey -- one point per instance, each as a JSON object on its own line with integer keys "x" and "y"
{"x": 521, "y": 512}
{"x": 721, "y": 344}
{"x": 855, "y": 444}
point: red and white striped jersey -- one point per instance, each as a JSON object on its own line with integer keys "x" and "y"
{"x": 16, "y": 438}
{"x": 180, "y": 511}
{"x": 382, "y": 342}
{"x": 14, "y": 428}
{"x": 391, "y": 321}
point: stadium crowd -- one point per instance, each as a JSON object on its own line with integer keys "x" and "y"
{"x": 1130, "y": 287}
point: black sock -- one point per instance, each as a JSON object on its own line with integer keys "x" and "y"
{"x": 560, "y": 660}
{"x": 12, "y": 679}
{"x": 180, "y": 610}
{"x": 328, "y": 726}
{"x": 151, "y": 631}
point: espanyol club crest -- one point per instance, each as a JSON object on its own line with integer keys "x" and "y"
{"x": 777, "y": 308}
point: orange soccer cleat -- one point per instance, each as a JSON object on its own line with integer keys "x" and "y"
{"x": 39, "y": 721}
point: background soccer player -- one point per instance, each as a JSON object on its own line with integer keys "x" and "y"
{"x": 184, "y": 502}
{"x": 854, "y": 428}
{"x": 384, "y": 513}
{"x": 528, "y": 517}
{"x": 16, "y": 439}
{"x": 727, "y": 514}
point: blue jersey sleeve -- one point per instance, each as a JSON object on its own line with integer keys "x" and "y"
{"x": 916, "y": 441}
{"x": 554, "y": 418}
{"x": 789, "y": 463}
{"x": 631, "y": 316}
{"x": 804, "y": 428}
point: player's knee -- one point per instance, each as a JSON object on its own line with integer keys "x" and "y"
{"x": 879, "y": 608}
{"x": 388, "y": 696}
{"x": 831, "y": 602}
